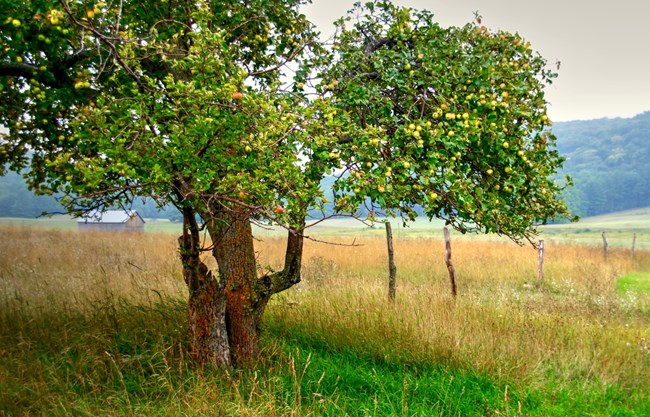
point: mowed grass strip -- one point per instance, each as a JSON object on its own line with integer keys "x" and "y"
{"x": 636, "y": 282}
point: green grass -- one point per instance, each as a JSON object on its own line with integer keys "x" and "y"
{"x": 638, "y": 282}
{"x": 120, "y": 359}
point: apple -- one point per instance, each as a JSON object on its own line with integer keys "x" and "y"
{"x": 433, "y": 195}
{"x": 279, "y": 209}
{"x": 505, "y": 145}
{"x": 15, "y": 22}
{"x": 381, "y": 189}
{"x": 90, "y": 13}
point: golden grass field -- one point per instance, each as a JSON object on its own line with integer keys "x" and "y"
{"x": 574, "y": 328}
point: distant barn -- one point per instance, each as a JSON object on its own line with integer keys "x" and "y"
{"x": 112, "y": 221}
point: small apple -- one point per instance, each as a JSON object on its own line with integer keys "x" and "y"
{"x": 237, "y": 95}
{"x": 279, "y": 209}
{"x": 508, "y": 170}
{"x": 90, "y": 13}
{"x": 489, "y": 172}
{"x": 433, "y": 195}
{"x": 406, "y": 165}
{"x": 381, "y": 189}
{"x": 505, "y": 145}
{"x": 15, "y": 22}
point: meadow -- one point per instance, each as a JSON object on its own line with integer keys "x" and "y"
{"x": 95, "y": 324}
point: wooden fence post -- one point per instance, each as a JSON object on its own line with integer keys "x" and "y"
{"x": 633, "y": 244}
{"x": 392, "y": 269}
{"x": 450, "y": 265}
{"x": 605, "y": 245}
{"x": 540, "y": 264}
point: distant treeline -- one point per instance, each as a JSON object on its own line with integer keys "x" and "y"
{"x": 609, "y": 160}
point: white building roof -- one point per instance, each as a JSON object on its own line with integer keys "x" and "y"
{"x": 109, "y": 216}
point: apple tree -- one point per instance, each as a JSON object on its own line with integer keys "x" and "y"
{"x": 233, "y": 112}
{"x": 452, "y": 119}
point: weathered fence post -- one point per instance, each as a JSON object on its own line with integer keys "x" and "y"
{"x": 392, "y": 269}
{"x": 450, "y": 265}
{"x": 633, "y": 244}
{"x": 540, "y": 264}
{"x": 605, "y": 245}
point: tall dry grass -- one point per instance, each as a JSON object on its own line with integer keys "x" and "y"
{"x": 574, "y": 328}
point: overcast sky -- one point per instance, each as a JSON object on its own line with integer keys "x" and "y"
{"x": 603, "y": 46}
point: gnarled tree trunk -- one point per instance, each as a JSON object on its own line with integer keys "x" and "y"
{"x": 247, "y": 294}
{"x": 207, "y": 301}
{"x": 225, "y": 313}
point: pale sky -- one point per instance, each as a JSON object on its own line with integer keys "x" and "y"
{"x": 603, "y": 46}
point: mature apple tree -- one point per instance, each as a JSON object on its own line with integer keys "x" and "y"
{"x": 234, "y": 111}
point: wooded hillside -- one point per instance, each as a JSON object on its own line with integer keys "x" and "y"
{"x": 609, "y": 160}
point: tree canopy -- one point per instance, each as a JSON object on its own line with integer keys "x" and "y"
{"x": 234, "y": 111}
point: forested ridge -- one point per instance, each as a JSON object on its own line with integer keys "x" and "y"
{"x": 609, "y": 160}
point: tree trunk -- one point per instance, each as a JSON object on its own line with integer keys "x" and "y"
{"x": 247, "y": 295}
{"x": 207, "y": 302}
{"x": 233, "y": 249}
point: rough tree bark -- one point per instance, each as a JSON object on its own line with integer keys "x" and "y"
{"x": 246, "y": 294}
{"x": 207, "y": 302}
